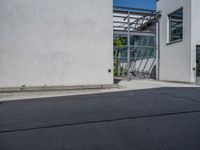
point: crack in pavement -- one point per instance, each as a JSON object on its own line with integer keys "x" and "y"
{"x": 97, "y": 121}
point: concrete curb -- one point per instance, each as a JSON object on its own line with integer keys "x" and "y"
{"x": 56, "y": 88}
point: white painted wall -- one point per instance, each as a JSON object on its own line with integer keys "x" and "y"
{"x": 175, "y": 59}
{"x": 55, "y": 42}
{"x": 195, "y": 32}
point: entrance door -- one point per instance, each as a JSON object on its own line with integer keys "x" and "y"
{"x": 198, "y": 64}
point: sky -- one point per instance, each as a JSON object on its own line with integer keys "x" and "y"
{"x": 146, "y": 4}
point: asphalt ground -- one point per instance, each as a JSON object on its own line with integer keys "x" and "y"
{"x": 151, "y": 119}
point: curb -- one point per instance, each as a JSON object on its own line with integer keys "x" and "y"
{"x": 56, "y": 88}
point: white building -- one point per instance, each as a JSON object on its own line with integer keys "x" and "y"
{"x": 55, "y": 43}
{"x": 179, "y": 40}
{"x": 70, "y": 43}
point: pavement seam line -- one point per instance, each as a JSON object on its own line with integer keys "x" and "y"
{"x": 98, "y": 121}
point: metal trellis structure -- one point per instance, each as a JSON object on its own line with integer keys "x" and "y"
{"x": 138, "y": 54}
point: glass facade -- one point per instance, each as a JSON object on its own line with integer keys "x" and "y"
{"x": 142, "y": 47}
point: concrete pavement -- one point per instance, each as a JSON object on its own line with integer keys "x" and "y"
{"x": 122, "y": 86}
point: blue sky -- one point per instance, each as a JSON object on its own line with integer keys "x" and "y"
{"x": 148, "y": 4}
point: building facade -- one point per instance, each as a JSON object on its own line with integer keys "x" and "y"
{"x": 179, "y": 40}
{"x": 55, "y": 43}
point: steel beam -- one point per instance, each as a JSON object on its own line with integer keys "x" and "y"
{"x": 129, "y": 38}
{"x": 134, "y": 33}
{"x": 133, "y": 13}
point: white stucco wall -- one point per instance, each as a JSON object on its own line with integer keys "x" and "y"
{"x": 175, "y": 59}
{"x": 195, "y": 32}
{"x": 55, "y": 42}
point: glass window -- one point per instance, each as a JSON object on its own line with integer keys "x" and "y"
{"x": 176, "y": 26}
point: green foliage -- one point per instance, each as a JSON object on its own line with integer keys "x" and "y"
{"x": 119, "y": 44}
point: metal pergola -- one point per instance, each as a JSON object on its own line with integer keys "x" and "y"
{"x": 133, "y": 22}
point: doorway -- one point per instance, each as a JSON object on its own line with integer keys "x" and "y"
{"x": 198, "y": 64}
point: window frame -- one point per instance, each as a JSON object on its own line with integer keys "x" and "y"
{"x": 169, "y": 28}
